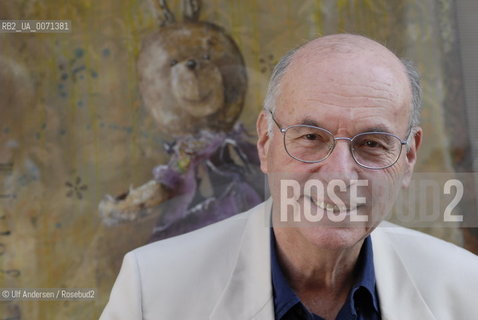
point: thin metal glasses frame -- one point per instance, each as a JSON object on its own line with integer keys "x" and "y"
{"x": 350, "y": 140}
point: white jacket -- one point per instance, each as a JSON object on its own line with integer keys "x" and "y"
{"x": 222, "y": 272}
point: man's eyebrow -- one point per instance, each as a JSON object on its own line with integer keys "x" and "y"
{"x": 311, "y": 122}
{"x": 378, "y": 128}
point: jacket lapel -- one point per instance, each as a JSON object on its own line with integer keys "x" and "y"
{"x": 399, "y": 298}
{"x": 248, "y": 293}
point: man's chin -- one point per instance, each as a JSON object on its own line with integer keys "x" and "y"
{"x": 334, "y": 238}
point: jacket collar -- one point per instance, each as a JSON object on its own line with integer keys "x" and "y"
{"x": 399, "y": 297}
{"x": 248, "y": 293}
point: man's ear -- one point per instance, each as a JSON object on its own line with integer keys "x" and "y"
{"x": 411, "y": 157}
{"x": 263, "y": 139}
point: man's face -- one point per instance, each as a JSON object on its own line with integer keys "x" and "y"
{"x": 346, "y": 94}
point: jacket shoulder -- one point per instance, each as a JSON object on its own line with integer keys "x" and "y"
{"x": 431, "y": 250}
{"x": 420, "y": 249}
{"x": 445, "y": 275}
{"x": 183, "y": 268}
{"x": 190, "y": 249}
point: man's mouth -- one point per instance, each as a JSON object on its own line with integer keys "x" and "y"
{"x": 327, "y": 206}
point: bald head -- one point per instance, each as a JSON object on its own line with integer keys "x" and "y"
{"x": 354, "y": 55}
{"x": 341, "y": 44}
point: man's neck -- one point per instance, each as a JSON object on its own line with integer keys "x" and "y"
{"x": 321, "y": 277}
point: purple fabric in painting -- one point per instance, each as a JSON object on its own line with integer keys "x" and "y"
{"x": 237, "y": 183}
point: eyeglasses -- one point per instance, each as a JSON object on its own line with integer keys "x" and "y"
{"x": 371, "y": 150}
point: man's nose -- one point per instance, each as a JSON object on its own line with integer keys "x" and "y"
{"x": 340, "y": 163}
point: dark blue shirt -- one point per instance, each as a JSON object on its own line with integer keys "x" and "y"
{"x": 362, "y": 300}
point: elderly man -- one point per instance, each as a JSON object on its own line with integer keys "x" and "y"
{"x": 341, "y": 110}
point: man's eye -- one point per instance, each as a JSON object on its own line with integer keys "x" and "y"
{"x": 173, "y": 62}
{"x": 311, "y": 136}
{"x": 373, "y": 144}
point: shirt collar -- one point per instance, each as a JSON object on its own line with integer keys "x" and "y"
{"x": 366, "y": 273}
{"x": 285, "y": 298}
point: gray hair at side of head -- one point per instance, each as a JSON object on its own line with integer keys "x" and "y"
{"x": 281, "y": 67}
{"x": 274, "y": 86}
{"x": 414, "y": 78}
